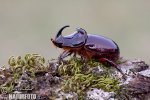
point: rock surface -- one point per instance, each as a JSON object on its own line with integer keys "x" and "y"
{"x": 47, "y": 83}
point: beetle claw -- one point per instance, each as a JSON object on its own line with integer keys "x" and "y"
{"x": 60, "y": 60}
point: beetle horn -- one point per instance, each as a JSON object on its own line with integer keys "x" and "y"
{"x": 82, "y": 31}
{"x": 60, "y": 31}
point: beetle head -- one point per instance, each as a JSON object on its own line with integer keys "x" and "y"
{"x": 76, "y": 39}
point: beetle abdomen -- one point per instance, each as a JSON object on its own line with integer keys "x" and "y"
{"x": 101, "y": 42}
{"x": 102, "y": 47}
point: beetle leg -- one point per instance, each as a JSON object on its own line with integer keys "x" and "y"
{"x": 64, "y": 55}
{"x": 106, "y": 61}
{"x": 74, "y": 55}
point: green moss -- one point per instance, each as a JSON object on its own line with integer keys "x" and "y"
{"x": 78, "y": 77}
{"x": 30, "y": 63}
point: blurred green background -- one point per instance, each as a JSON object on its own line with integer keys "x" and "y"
{"x": 26, "y": 26}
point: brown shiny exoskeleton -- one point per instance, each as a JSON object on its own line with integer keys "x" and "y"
{"x": 88, "y": 46}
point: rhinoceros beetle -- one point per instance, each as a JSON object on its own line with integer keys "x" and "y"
{"x": 88, "y": 46}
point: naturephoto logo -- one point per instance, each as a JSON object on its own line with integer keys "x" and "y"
{"x": 19, "y": 96}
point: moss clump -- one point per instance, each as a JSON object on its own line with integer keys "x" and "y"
{"x": 78, "y": 77}
{"x": 31, "y": 63}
